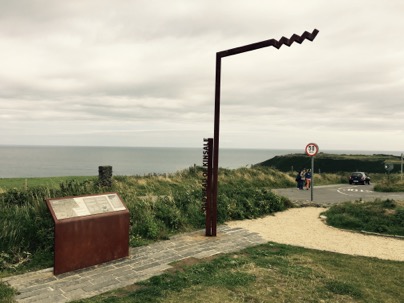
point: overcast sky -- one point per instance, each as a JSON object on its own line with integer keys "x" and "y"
{"x": 142, "y": 73}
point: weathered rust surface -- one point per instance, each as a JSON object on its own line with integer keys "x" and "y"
{"x": 210, "y": 216}
{"x": 271, "y": 42}
{"x": 230, "y": 52}
{"x": 81, "y": 242}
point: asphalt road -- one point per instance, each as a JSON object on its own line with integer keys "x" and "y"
{"x": 330, "y": 194}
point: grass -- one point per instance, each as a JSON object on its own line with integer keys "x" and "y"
{"x": 159, "y": 206}
{"x": 25, "y": 183}
{"x": 390, "y": 183}
{"x": 385, "y": 217}
{"x": 322, "y": 179}
{"x": 162, "y": 205}
{"x": 6, "y": 293}
{"x": 270, "y": 273}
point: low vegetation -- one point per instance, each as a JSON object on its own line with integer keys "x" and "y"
{"x": 326, "y": 179}
{"x": 159, "y": 205}
{"x": 270, "y": 273}
{"x": 390, "y": 183}
{"x": 386, "y": 217}
{"x": 25, "y": 183}
{"x": 162, "y": 205}
{"x": 335, "y": 163}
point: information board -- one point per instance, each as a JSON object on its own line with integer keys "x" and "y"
{"x": 89, "y": 230}
{"x": 66, "y": 208}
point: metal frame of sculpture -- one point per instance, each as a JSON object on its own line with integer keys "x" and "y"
{"x": 211, "y": 202}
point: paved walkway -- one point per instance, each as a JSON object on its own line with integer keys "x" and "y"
{"x": 143, "y": 263}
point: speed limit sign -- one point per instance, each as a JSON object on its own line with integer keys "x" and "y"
{"x": 311, "y": 149}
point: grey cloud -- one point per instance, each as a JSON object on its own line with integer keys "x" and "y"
{"x": 149, "y": 66}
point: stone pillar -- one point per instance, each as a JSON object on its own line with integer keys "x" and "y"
{"x": 105, "y": 176}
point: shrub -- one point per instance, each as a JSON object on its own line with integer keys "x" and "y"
{"x": 26, "y": 221}
{"x": 247, "y": 202}
{"x": 389, "y": 204}
{"x": 394, "y": 185}
{"x": 6, "y": 293}
{"x": 398, "y": 217}
{"x": 377, "y": 216}
{"x": 159, "y": 205}
{"x": 166, "y": 210}
{"x": 142, "y": 222}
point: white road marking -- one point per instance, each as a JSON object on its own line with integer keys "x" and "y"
{"x": 342, "y": 190}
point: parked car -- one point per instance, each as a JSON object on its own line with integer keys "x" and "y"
{"x": 359, "y": 178}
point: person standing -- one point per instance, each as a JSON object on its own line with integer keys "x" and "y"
{"x": 303, "y": 178}
{"x": 299, "y": 179}
{"x": 308, "y": 179}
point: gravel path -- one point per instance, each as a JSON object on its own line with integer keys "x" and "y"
{"x": 303, "y": 227}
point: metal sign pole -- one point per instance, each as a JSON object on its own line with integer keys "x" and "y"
{"x": 312, "y": 177}
{"x": 312, "y": 150}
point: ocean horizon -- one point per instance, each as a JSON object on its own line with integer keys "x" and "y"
{"x": 18, "y": 161}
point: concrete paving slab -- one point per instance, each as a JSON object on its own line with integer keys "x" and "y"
{"x": 142, "y": 263}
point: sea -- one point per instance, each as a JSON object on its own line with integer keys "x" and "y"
{"x": 56, "y": 161}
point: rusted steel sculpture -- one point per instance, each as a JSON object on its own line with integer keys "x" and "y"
{"x": 219, "y": 56}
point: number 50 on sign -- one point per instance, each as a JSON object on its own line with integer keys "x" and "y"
{"x": 311, "y": 149}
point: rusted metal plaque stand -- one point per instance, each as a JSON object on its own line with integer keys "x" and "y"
{"x": 89, "y": 230}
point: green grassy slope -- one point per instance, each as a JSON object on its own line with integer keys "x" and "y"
{"x": 332, "y": 163}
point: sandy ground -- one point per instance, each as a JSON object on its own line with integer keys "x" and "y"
{"x": 303, "y": 227}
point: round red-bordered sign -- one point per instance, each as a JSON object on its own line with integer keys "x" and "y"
{"x": 311, "y": 149}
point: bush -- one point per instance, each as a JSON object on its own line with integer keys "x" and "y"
{"x": 390, "y": 204}
{"x": 247, "y": 202}
{"x": 394, "y": 185}
{"x": 26, "y": 223}
{"x": 159, "y": 205}
{"x": 385, "y": 217}
{"x": 398, "y": 217}
{"x": 6, "y": 293}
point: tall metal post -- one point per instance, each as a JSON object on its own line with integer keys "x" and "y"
{"x": 219, "y": 56}
{"x": 312, "y": 178}
{"x": 216, "y": 143}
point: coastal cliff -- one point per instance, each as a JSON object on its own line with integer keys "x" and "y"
{"x": 333, "y": 163}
